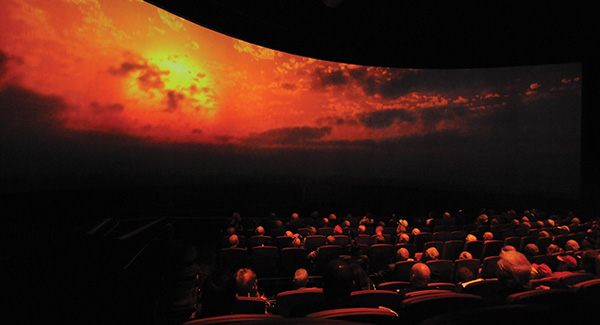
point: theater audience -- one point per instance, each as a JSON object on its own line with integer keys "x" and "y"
{"x": 567, "y": 265}
{"x": 530, "y": 251}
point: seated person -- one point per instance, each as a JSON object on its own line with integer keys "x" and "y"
{"x": 300, "y": 280}
{"x": 246, "y": 283}
{"x": 420, "y": 276}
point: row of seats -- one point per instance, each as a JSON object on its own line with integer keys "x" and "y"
{"x": 270, "y": 261}
{"x": 433, "y": 306}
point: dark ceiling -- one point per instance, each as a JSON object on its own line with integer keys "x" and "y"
{"x": 398, "y": 33}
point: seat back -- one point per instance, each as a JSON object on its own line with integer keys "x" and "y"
{"x": 402, "y": 270}
{"x": 258, "y": 240}
{"x": 491, "y": 248}
{"x": 233, "y": 258}
{"x": 452, "y": 249}
{"x": 489, "y": 265}
{"x": 358, "y": 315}
{"x": 395, "y": 286}
{"x": 416, "y": 309}
{"x": 543, "y": 243}
{"x": 290, "y": 303}
{"x": 232, "y": 319}
{"x": 364, "y": 239}
{"x": 474, "y": 247}
{"x": 375, "y": 298}
{"x": 326, "y": 254}
{"x": 312, "y": 242}
{"x": 470, "y": 263}
{"x": 380, "y": 256}
{"x": 530, "y": 239}
{"x": 439, "y": 245}
{"x": 264, "y": 261}
{"x": 421, "y": 238}
{"x": 575, "y": 278}
{"x": 513, "y": 241}
{"x": 282, "y": 242}
{"x": 441, "y": 236}
{"x": 325, "y": 231}
{"x": 550, "y": 297}
{"x": 412, "y": 248}
{"x": 458, "y": 235}
{"x": 485, "y": 288}
{"x": 342, "y": 240}
{"x": 249, "y": 305}
{"x": 291, "y": 259}
{"x": 441, "y": 270}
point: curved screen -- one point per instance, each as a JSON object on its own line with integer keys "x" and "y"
{"x": 118, "y": 93}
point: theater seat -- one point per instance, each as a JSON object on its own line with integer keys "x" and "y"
{"x": 358, "y": 315}
{"x": 416, "y": 309}
{"x": 232, "y": 319}
{"x": 375, "y": 299}
{"x": 291, "y": 303}
{"x": 551, "y": 297}
{"x": 249, "y": 305}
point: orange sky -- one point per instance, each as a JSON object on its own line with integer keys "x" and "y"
{"x": 131, "y": 68}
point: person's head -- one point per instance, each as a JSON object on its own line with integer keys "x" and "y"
{"x": 362, "y": 229}
{"x": 296, "y": 242}
{"x": 566, "y": 263}
{"x": 379, "y": 230}
{"x": 260, "y": 230}
{"x": 507, "y": 248}
{"x": 234, "y": 240}
{"x": 530, "y": 250}
{"x": 464, "y": 274}
{"x": 514, "y": 271}
{"x": 571, "y": 245}
{"x": 482, "y": 219}
{"x": 430, "y": 254}
{"x": 543, "y": 234}
{"x": 552, "y": 249}
{"x": 420, "y": 275}
{"x": 416, "y": 231}
{"x": 230, "y": 231}
{"x": 402, "y": 254}
{"x": 337, "y": 280}
{"x": 300, "y": 278}
{"x": 588, "y": 261}
{"x": 488, "y": 236}
{"x": 379, "y": 238}
{"x": 312, "y": 230}
{"x": 246, "y": 283}
{"x": 403, "y": 238}
{"x": 465, "y": 255}
{"x": 289, "y": 233}
{"x": 470, "y": 237}
{"x": 295, "y": 216}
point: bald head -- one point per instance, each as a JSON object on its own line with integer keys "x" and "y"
{"x": 300, "y": 278}
{"x": 420, "y": 274}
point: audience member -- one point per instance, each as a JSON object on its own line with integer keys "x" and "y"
{"x": 420, "y": 276}
{"x": 430, "y": 254}
{"x": 488, "y": 236}
{"x": 300, "y": 280}
{"x": 514, "y": 273}
{"x": 567, "y": 265}
{"x": 530, "y": 251}
{"x": 234, "y": 240}
{"x": 246, "y": 283}
{"x": 464, "y": 255}
{"x": 553, "y": 249}
{"x": 571, "y": 245}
